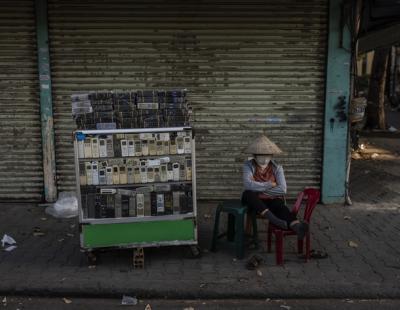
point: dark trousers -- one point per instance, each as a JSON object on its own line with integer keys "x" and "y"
{"x": 276, "y": 206}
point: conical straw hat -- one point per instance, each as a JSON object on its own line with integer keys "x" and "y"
{"x": 263, "y": 145}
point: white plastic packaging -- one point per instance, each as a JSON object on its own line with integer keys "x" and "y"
{"x": 65, "y": 207}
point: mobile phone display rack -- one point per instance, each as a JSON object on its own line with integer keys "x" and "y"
{"x": 136, "y": 187}
{"x": 135, "y": 169}
{"x": 131, "y": 109}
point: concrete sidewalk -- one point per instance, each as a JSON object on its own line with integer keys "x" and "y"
{"x": 53, "y": 264}
{"x": 368, "y": 267}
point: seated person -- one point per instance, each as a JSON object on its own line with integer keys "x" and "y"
{"x": 265, "y": 187}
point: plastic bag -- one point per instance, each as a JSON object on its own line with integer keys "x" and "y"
{"x": 65, "y": 207}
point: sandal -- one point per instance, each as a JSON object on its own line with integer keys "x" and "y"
{"x": 317, "y": 254}
{"x": 254, "y": 262}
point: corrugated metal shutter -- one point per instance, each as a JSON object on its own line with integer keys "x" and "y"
{"x": 21, "y": 167}
{"x": 241, "y": 61}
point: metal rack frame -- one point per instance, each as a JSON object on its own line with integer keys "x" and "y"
{"x": 146, "y": 219}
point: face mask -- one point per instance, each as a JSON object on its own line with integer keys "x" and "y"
{"x": 263, "y": 160}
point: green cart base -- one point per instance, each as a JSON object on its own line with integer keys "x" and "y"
{"x": 138, "y": 234}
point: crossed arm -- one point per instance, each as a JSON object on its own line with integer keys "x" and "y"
{"x": 269, "y": 188}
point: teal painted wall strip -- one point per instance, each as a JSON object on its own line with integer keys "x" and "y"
{"x": 336, "y": 126}
{"x": 46, "y": 106}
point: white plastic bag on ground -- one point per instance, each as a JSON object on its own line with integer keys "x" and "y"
{"x": 65, "y": 207}
{"x": 8, "y": 243}
{"x": 7, "y": 240}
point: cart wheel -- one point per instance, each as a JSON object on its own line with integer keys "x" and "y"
{"x": 92, "y": 258}
{"x": 195, "y": 251}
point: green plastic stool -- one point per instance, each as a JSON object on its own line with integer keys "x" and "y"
{"x": 235, "y": 232}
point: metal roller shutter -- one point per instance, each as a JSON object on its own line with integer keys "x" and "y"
{"x": 21, "y": 167}
{"x": 249, "y": 67}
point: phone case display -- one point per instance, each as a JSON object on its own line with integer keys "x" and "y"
{"x": 139, "y": 177}
{"x": 131, "y": 109}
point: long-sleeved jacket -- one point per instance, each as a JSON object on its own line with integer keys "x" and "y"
{"x": 264, "y": 187}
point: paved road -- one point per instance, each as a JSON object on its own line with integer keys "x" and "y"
{"x": 100, "y": 304}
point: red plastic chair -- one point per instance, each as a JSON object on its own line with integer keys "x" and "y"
{"x": 311, "y": 197}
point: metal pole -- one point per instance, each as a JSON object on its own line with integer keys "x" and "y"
{"x": 46, "y": 106}
{"x": 392, "y": 85}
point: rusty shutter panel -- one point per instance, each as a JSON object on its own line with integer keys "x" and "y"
{"x": 249, "y": 67}
{"x": 21, "y": 167}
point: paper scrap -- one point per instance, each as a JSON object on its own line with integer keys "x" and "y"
{"x": 353, "y": 244}
{"x": 7, "y": 240}
{"x": 129, "y": 301}
{"x": 10, "y": 248}
{"x": 38, "y": 234}
{"x": 67, "y": 301}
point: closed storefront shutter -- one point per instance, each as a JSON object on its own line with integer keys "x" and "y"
{"x": 21, "y": 167}
{"x": 249, "y": 67}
